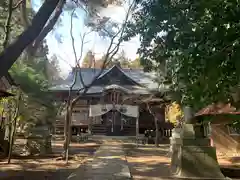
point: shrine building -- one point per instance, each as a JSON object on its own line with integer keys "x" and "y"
{"x": 116, "y": 104}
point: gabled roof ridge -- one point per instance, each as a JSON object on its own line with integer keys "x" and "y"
{"x": 87, "y": 68}
{"x": 107, "y": 71}
{"x": 120, "y": 69}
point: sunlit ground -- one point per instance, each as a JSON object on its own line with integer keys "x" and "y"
{"x": 148, "y": 163}
{"x": 151, "y": 163}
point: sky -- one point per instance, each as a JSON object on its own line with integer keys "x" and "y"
{"x": 60, "y": 44}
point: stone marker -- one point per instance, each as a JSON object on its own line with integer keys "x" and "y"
{"x": 192, "y": 155}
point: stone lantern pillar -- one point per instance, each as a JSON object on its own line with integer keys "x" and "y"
{"x": 192, "y": 155}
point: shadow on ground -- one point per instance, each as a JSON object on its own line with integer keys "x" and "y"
{"x": 49, "y": 166}
{"x": 148, "y": 162}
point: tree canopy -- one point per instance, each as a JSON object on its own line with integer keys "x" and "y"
{"x": 32, "y": 74}
{"x": 197, "y": 43}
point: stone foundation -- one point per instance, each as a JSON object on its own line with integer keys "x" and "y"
{"x": 192, "y": 155}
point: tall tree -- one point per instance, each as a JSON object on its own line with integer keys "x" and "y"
{"x": 196, "y": 41}
{"x": 136, "y": 63}
{"x": 89, "y": 60}
{"x": 9, "y": 55}
{"x": 52, "y": 69}
{"x": 113, "y": 48}
{"x": 41, "y": 24}
{"x": 122, "y": 59}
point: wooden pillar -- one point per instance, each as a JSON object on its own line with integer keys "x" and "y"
{"x": 121, "y": 120}
{"x": 137, "y": 129}
{"x": 7, "y": 122}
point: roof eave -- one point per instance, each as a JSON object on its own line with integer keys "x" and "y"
{"x": 5, "y": 93}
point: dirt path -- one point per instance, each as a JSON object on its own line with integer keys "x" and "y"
{"x": 108, "y": 163}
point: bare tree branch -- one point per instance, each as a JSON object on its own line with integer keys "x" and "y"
{"x": 70, "y": 103}
{"x": 73, "y": 40}
{"x": 77, "y": 60}
{"x": 17, "y": 5}
{"x": 66, "y": 62}
{"x": 109, "y": 54}
{"x": 115, "y": 50}
{"x": 69, "y": 107}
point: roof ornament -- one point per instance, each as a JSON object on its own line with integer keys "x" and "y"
{"x": 117, "y": 63}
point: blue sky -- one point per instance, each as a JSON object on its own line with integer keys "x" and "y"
{"x": 95, "y": 43}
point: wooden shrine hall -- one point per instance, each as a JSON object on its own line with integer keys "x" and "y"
{"x": 115, "y": 104}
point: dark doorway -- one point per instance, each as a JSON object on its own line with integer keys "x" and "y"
{"x": 113, "y": 123}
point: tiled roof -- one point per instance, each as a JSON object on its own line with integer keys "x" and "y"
{"x": 217, "y": 109}
{"x": 89, "y": 74}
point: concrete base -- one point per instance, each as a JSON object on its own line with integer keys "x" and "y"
{"x": 196, "y": 162}
{"x": 197, "y": 178}
{"x": 193, "y": 157}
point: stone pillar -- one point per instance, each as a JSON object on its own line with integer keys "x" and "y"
{"x": 175, "y": 144}
{"x": 188, "y": 114}
{"x": 90, "y": 122}
{"x": 192, "y": 155}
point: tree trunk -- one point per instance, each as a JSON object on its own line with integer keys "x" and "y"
{"x": 14, "y": 129}
{"x": 68, "y": 119}
{"x": 47, "y": 28}
{"x": 2, "y": 119}
{"x": 157, "y": 132}
{"x": 67, "y": 132}
{"x": 14, "y": 50}
{"x": 24, "y": 16}
{"x": 66, "y": 124}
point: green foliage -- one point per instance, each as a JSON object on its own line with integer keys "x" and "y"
{"x": 37, "y": 105}
{"x": 32, "y": 75}
{"x": 197, "y": 42}
{"x": 15, "y": 25}
{"x": 174, "y": 113}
